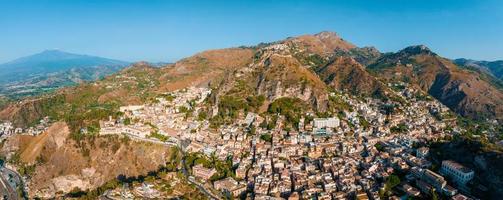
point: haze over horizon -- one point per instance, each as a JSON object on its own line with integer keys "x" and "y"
{"x": 159, "y": 31}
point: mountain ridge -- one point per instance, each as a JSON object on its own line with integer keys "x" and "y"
{"x": 311, "y": 65}
{"x": 51, "y": 69}
{"x": 494, "y": 68}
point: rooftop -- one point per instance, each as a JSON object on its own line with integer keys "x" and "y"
{"x": 457, "y": 166}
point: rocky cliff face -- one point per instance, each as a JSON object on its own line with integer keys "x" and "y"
{"x": 345, "y": 73}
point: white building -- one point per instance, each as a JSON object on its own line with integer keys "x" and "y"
{"x": 131, "y": 108}
{"x": 250, "y": 118}
{"x": 326, "y": 122}
{"x": 459, "y": 173}
{"x": 141, "y": 131}
{"x": 321, "y": 124}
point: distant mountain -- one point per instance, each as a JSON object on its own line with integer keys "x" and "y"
{"x": 52, "y": 69}
{"x": 494, "y": 68}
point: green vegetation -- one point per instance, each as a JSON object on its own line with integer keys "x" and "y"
{"x": 379, "y": 146}
{"x": 269, "y": 123}
{"x": 174, "y": 159}
{"x": 229, "y": 107}
{"x": 82, "y": 106}
{"x": 400, "y": 128}
{"x": 477, "y": 133}
{"x": 266, "y": 137}
{"x": 252, "y": 130}
{"x": 183, "y": 109}
{"x": 254, "y": 102}
{"x": 290, "y": 108}
{"x": 363, "y": 122}
{"x": 202, "y": 115}
{"x": 434, "y": 195}
{"x": 388, "y": 109}
{"x": 224, "y": 168}
{"x": 127, "y": 121}
{"x": 157, "y": 135}
{"x": 336, "y": 104}
{"x": 314, "y": 60}
{"x": 23, "y": 169}
{"x": 392, "y": 181}
{"x": 168, "y": 97}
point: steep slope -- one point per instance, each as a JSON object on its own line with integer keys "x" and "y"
{"x": 494, "y": 68}
{"x": 94, "y": 161}
{"x": 56, "y": 135}
{"x": 204, "y": 68}
{"x": 345, "y": 73}
{"x": 463, "y": 91}
{"x": 293, "y": 68}
{"x": 336, "y": 62}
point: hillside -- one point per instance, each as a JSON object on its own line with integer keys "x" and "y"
{"x": 464, "y": 91}
{"x": 494, "y": 68}
{"x": 301, "y": 77}
{"x": 45, "y": 159}
{"x": 50, "y": 70}
{"x": 307, "y": 65}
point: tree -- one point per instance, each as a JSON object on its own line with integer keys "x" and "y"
{"x": 127, "y": 121}
{"x": 379, "y": 146}
{"x": 392, "y": 181}
{"x": 266, "y": 137}
{"x": 434, "y": 195}
{"x": 291, "y": 108}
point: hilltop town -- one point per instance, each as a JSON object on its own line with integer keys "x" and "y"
{"x": 308, "y": 117}
{"x": 365, "y": 152}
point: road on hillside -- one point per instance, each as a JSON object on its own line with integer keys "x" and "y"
{"x": 9, "y": 181}
{"x": 198, "y": 185}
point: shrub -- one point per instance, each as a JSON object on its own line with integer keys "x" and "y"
{"x": 266, "y": 137}
{"x": 291, "y": 108}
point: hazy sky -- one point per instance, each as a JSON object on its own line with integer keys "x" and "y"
{"x": 168, "y": 30}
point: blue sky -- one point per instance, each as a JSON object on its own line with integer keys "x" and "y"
{"x": 168, "y": 30}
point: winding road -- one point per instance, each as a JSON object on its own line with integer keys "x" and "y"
{"x": 9, "y": 181}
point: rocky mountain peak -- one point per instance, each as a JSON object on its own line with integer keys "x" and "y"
{"x": 327, "y": 35}
{"x": 416, "y": 50}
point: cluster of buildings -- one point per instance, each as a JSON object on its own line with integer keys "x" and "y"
{"x": 166, "y": 117}
{"x": 345, "y": 156}
{"x": 7, "y": 128}
{"x": 169, "y": 186}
